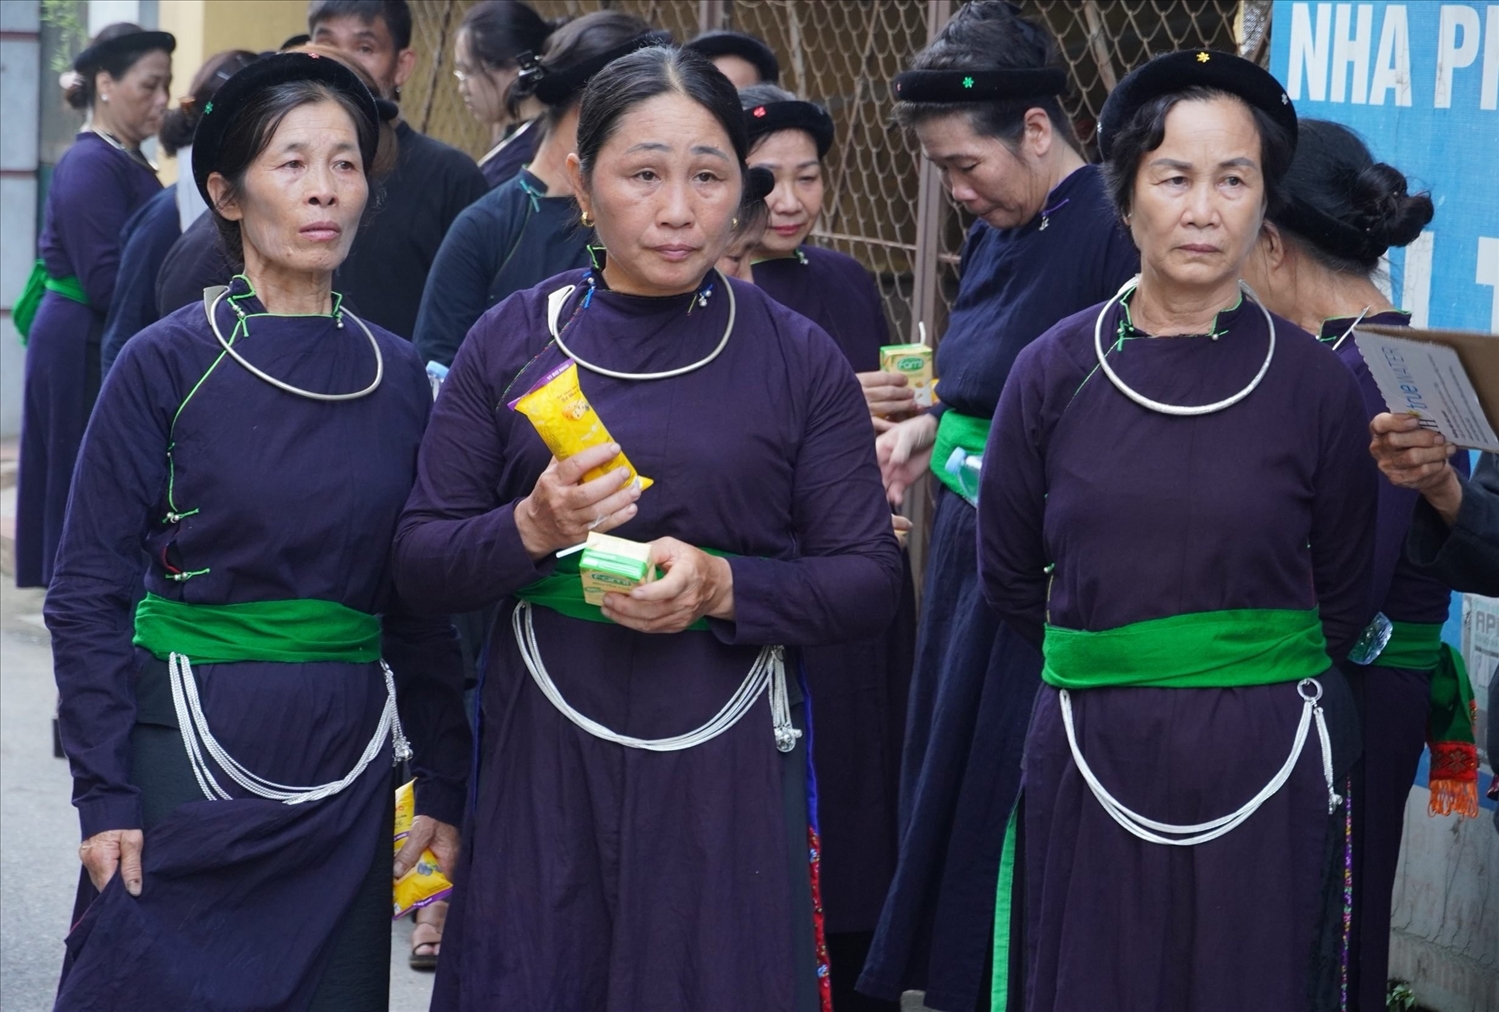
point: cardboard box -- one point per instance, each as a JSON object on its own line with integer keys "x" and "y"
{"x": 613, "y": 565}
{"x": 914, "y": 362}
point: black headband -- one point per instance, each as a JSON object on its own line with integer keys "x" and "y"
{"x": 773, "y": 117}
{"x": 1331, "y": 234}
{"x": 554, "y": 87}
{"x": 133, "y": 43}
{"x": 747, "y": 47}
{"x": 1193, "y": 68}
{"x": 978, "y": 85}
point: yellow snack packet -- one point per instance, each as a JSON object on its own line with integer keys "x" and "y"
{"x": 567, "y": 423}
{"x": 423, "y": 882}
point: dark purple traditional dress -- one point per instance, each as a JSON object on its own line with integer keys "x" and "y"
{"x": 1392, "y": 701}
{"x": 974, "y": 679}
{"x": 94, "y": 190}
{"x": 1097, "y": 513}
{"x": 600, "y": 878}
{"x": 246, "y": 904}
{"x": 858, "y": 690}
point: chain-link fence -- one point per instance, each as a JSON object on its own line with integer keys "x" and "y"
{"x": 884, "y": 207}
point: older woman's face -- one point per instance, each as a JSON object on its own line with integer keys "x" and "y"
{"x": 796, "y": 201}
{"x": 982, "y": 173}
{"x": 137, "y": 101}
{"x": 300, "y": 202}
{"x": 481, "y": 87}
{"x": 1199, "y": 198}
{"x": 664, "y": 192}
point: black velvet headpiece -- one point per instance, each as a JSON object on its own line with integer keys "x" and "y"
{"x": 746, "y": 47}
{"x": 773, "y": 117}
{"x": 91, "y": 59}
{"x": 978, "y": 85}
{"x": 1195, "y": 68}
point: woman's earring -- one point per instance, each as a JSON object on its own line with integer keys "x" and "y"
{"x": 104, "y": 98}
{"x": 734, "y": 223}
{"x": 587, "y": 220}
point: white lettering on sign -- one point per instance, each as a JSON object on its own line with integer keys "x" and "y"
{"x": 1392, "y": 67}
{"x": 1489, "y": 99}
{"x": 1457, "y": 47}
{"x": 1352, "y": 49}
{"x": 1309, "y": 51}
{"x": 1488, "y": 274}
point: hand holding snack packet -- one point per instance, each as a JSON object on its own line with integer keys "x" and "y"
{"x": 423, "y": 882}
{"x": 567, "y": 423}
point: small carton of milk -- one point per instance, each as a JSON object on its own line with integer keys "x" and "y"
{"x": 613, "y": 565}
{"x": 914, "y": 362}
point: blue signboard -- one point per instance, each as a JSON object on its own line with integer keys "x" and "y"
{"x": 1420, "y": 82}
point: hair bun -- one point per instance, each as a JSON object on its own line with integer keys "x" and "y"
{"x": 73, "y": 91}
{"x": 1384, "y": 208}
{"x": 758, "y": 182}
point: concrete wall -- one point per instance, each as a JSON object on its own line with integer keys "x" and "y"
{"x": 20, "y": 77}
{"x": 205, "y": 27}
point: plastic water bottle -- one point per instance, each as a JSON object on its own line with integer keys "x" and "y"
{"x": 436, "y": 373}
{"x": 965, "y": 467}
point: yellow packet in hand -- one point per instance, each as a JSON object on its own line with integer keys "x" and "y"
{"x": 423, "y": 882}
{"x": 568, "y": 424}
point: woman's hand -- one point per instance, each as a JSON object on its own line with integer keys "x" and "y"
{"x": 1416, "y": 458}
{"x": 905, "y": 454}
{"x": 427, "y": 832}
{"x": 902, "y": 528}
{"x": 562, "y": 508}
{"x": 114, "y": 850}
{"x": 888, "y": 395}
{"x": 694, "y": 584}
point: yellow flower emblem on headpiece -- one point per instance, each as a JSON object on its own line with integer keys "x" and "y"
{"x": 1203, "y": 57}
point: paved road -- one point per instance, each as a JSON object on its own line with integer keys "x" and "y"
{"x": 39, "y": 831}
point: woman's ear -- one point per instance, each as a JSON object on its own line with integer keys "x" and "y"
{"x": 1272, "y": 245}
{"x": 1039, "y": 136}
{"x": 574, "y": 168}
{"x": 221, "y": 199}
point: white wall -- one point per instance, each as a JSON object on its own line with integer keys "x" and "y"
{"x": 20, "y": 76}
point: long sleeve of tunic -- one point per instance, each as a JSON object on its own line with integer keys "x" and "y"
{"x": 1096, "y": 513}
{"x": 765, "y": 453}
{"x": 1465, "y": 556}
{"x": 290, "y": 498}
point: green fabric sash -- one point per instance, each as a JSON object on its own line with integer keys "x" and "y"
{"x": 23, "y": 312}
{"x": 295, "y": 631}
{"x": 1413, "y": 645}
{"x": 1450, "y": 732}
{"x": 562, "y": 592}
{"x": 956, "y": 429}
{"x": 1201, "y": 650}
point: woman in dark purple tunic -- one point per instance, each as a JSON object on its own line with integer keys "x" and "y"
{"x": 858, "y": 690}
{"x": 122, "y": 81}
{"x": 1177, "y": 507}
{"x": 601, "y": 876}
{"x": 252, "y": 454}
{"x": 1314, "y": 265}
{"x": 527, "y": 230}
{"x": 1046, "y": 244}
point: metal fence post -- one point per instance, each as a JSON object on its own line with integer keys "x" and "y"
{"x": 926, "y": 278}
{"x": 712, "y": 15}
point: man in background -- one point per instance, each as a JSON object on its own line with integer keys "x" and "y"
{"x": 387, "y": 268}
